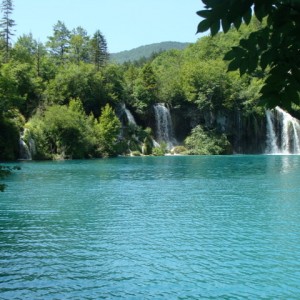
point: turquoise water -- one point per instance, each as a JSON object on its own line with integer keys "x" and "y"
{"x": 152, "y": 228}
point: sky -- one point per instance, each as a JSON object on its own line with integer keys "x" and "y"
{"x": 126, "y": 24}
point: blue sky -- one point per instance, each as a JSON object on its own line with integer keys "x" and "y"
{"x": 126, "y": 24}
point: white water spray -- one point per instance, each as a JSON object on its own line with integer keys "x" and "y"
{"x": 164, "y": 125}
{"x": 283, "y": 132}
{"x": 130, "y": 117}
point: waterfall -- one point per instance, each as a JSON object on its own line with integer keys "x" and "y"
{"x": 283, "y": 132}
{"x": 129, "y": 116}
{"x": 24, "y": 150}
{"x": 272, "y": 147}
{"x": 164, "y": 125}
{"x": 27, "y": 150}
{"x": 125, "y": 115}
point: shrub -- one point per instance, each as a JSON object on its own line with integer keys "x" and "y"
{"x": 202, "y": 142}
{"x": 158, "y": 151}
{"x": 179, "y": 150}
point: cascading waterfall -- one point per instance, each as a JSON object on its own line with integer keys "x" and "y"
{"x": 130, "y": 117}
{"x": 24, "y": 150}
{"x": 283, "y": 132}
{"x": 271, "y": 134}
{"x": 164, "y": 125}
{"x": 27, "y": 150}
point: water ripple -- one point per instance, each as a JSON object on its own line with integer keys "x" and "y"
{"x": 152, "y": 228}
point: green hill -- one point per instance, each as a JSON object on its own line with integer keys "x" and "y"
{"x": 145, "y": 51}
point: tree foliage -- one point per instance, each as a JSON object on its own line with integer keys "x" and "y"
{"x": 6, "y": 25}
{"x": 202, "y": 142}
{"x": 108, "y": 131}
{"x": 62, "y": 132}
{"x": 274, "y": 47}
{"x": 59, "y": 43}
{"x": 99, "y": 51}
{"x": 58, "y": 91}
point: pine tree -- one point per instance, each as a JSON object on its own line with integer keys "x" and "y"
{"x": 7, "y": 25}
{"x": 99, "y": 49}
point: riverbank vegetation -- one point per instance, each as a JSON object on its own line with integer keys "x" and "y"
{"x": 59, "y": 94}
{"x": 68, "y": 100}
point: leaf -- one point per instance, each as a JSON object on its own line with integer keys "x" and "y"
{"x": 247, "y": 16}
{"x": 262, "y": 37}
{"x": 211, "y": 3}
{"x": 204, "y": 13}
{"x": 237, "y": 22}
{"x": 214, "y": 28}
{"x": 290, "y": 94}
{"x": 225, "y": 25}
{"x": 233, "y": 65}
{"x": 243, "y": 66}
{"x": 265, "y": 60}
{"x": 239, "y": 52}
{"x": 268, "y": 89}
{"x": 230, "y": 55}
{"x": 270, "y": 100}
{"x": 203, "y": 26}
{"x": 252, "y": 62}
{"x": 296, "y": 73}
{"x": 260, "y": 10}
{"x": 244, "y": 43}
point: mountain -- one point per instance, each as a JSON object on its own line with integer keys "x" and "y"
{"x": 145, "y": 51}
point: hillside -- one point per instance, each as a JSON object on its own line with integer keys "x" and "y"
{"x": 145, "y": 51}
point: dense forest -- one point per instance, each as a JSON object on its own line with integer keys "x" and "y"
{"x": 65, "y": 99}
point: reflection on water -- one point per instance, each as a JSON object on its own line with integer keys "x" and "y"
{"x": 152, "y": 228}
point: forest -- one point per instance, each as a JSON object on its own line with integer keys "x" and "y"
{"x": 66, "y": 100}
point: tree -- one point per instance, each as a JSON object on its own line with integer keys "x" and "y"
{"x": 202, "y": 142}
{"x": 108, "y": 131}
{"x": 79, "y": 45}
{"x": 168, "y": 69}
{"x": 11, "y": 77}
{"x": 274, "y": 47}
{"x": 78, "y": 81}
{"x": 146, "y": 89}
{"x": 62, "y": 131}
{"x": 7, "y": 25}
{"x": 28, "y": 50}
{"x": 99, "y": 54}
{"x": 59, "y": 43}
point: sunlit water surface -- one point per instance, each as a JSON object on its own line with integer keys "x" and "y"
{"x": 152, "y": 228}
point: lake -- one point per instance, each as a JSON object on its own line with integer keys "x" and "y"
{"x": 203, "y": 227}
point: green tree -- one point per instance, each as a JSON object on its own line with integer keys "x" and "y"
{"x": 79, "y": 45}
{"x": 6, "y": 25}
{"x": 9, "y": 135}
{"x": 145, "y": 89}
{"x": 29, "y": 50}
{"x": 24, "y": 49}
{"x": 108, "y": 131}
{"x": 274, "y": 47}
{"x": 62, "y": 132}
{"x": 78, "y": 81}
{"x": 205, "y": 83}
{"x": 113, "y": 83}
{"x": 99, "y": 53}
{"x": 168, "y": 66}
{"x": 202, "y": 142}
{"x": 59, "y": 43}
{"x": 11, "y": 75}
